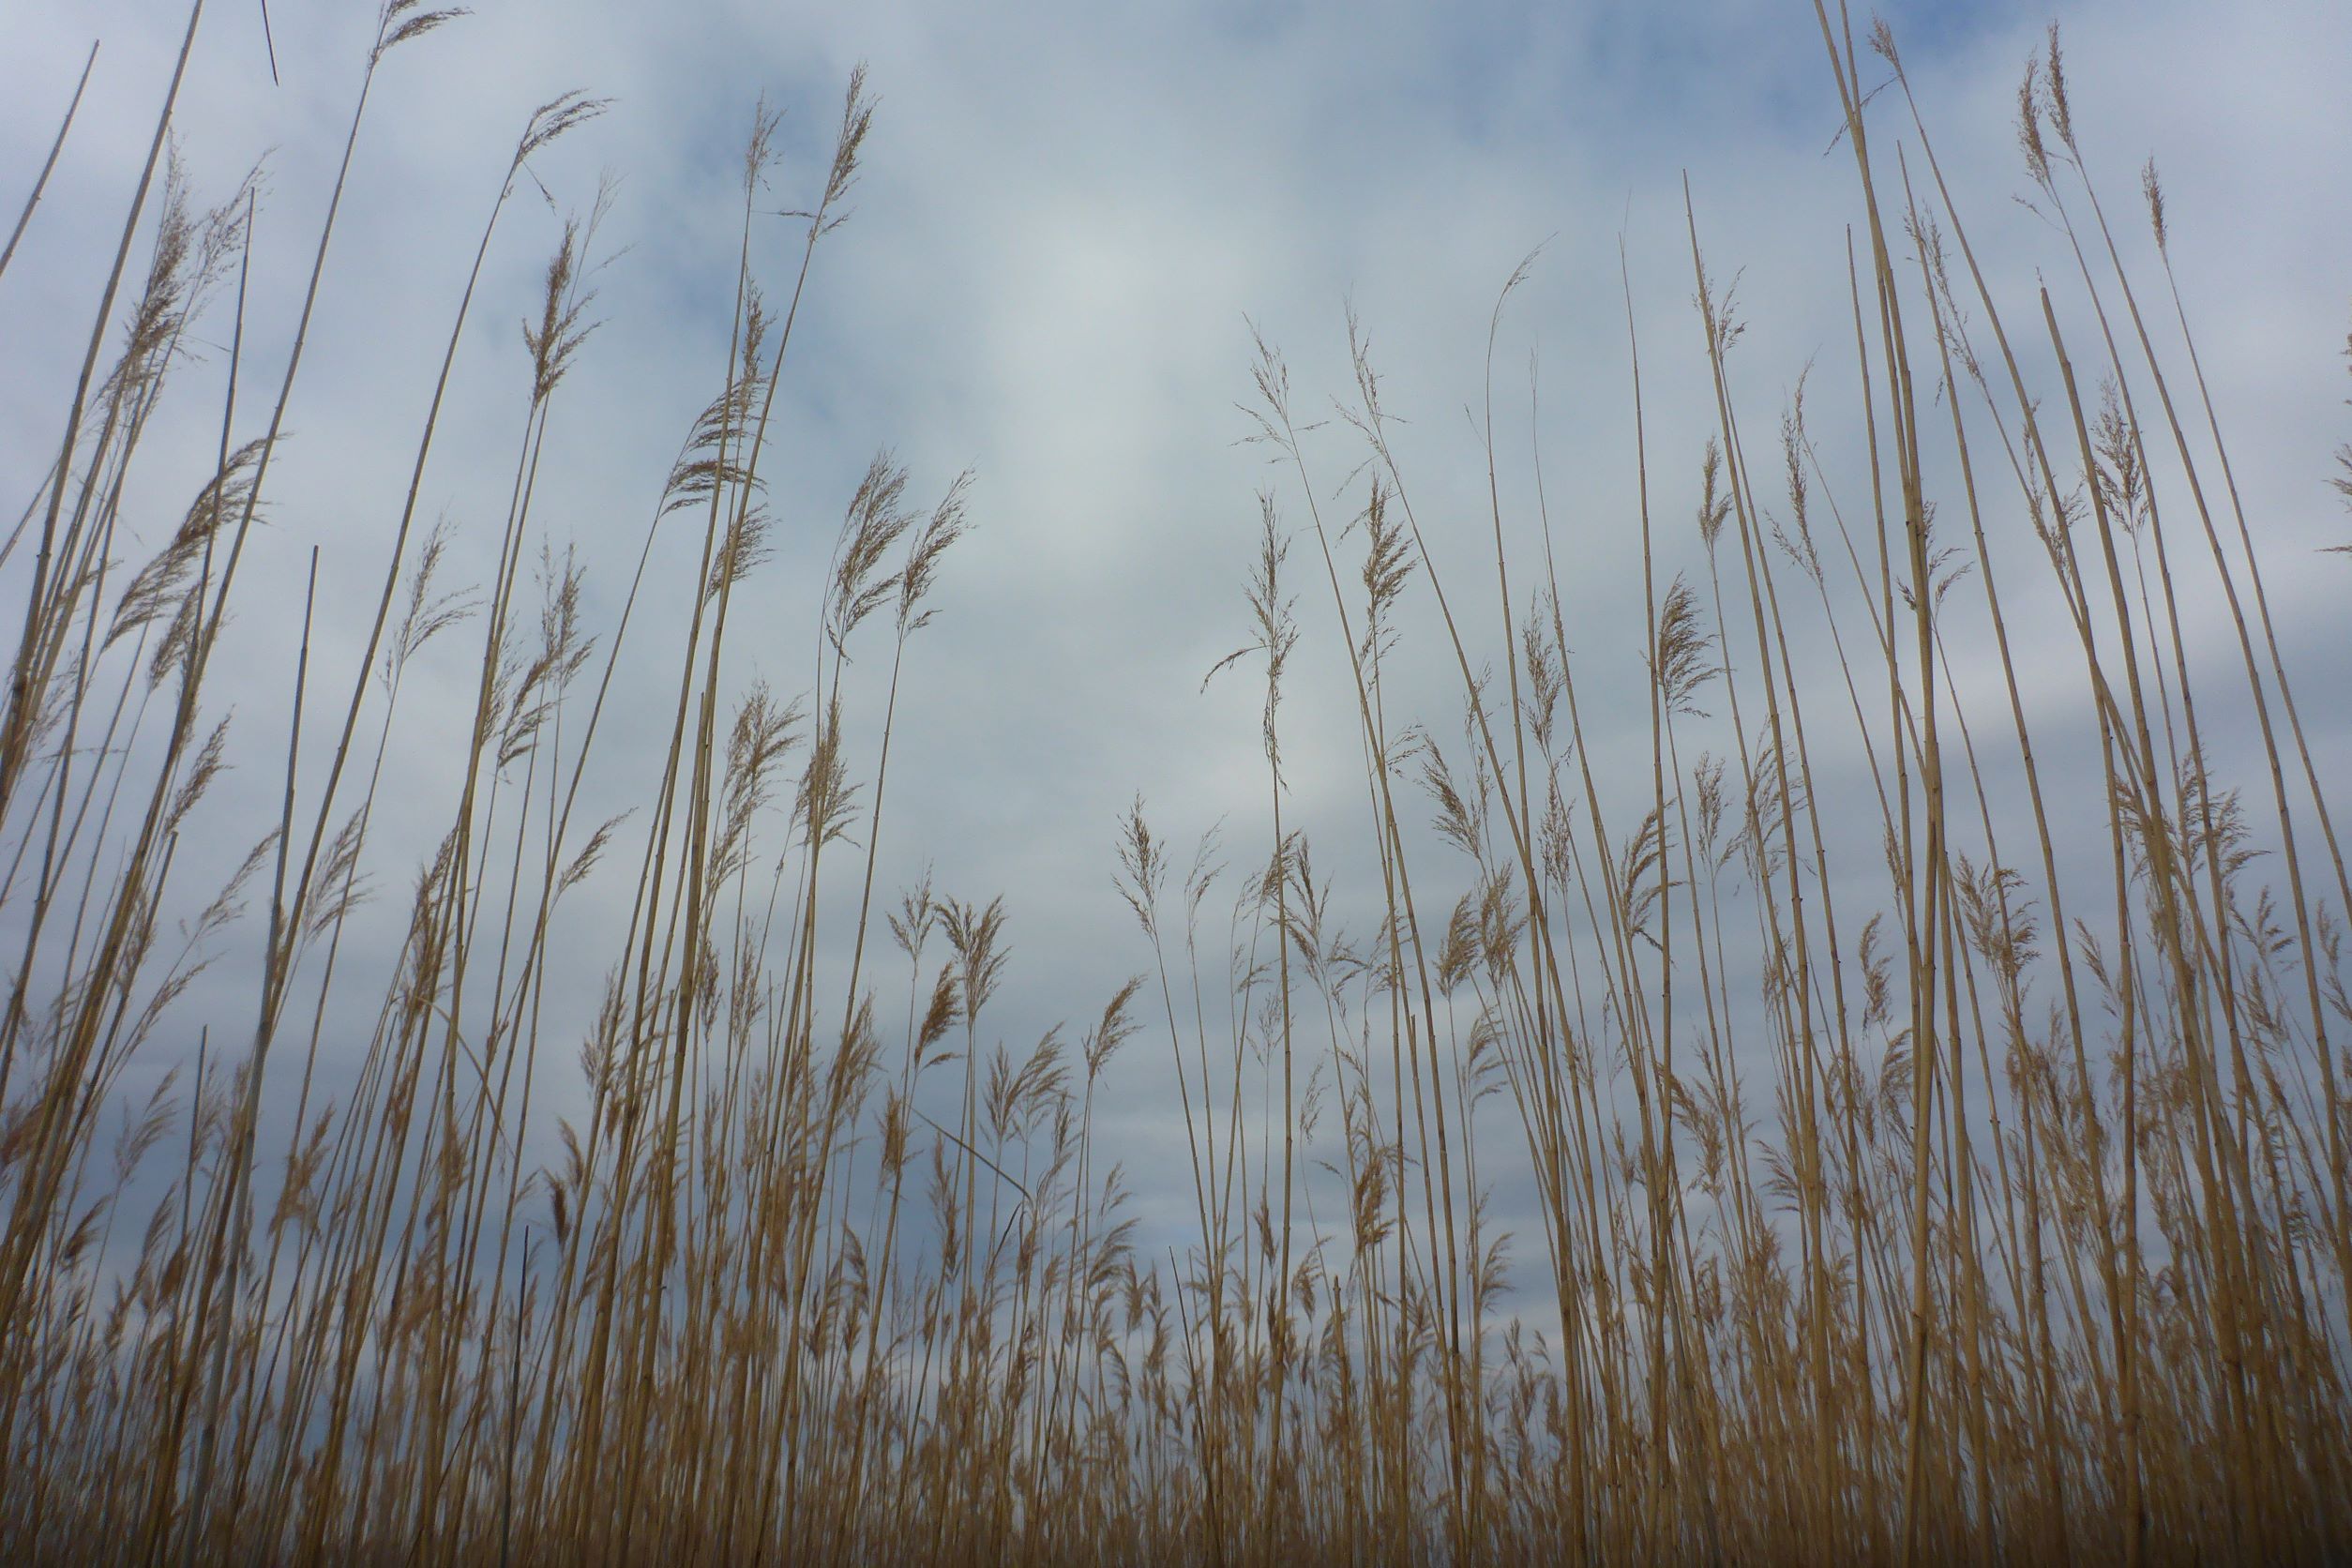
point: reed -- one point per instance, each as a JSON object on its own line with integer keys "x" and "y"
{"x": 2039, "y": 1252}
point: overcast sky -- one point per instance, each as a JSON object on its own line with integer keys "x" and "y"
{"x": 1068, "y": 215}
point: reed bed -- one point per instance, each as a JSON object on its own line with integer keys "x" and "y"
{"x": 1938, "y": 1156}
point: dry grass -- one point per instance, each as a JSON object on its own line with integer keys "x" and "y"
{"x": 1954, "y": 1170}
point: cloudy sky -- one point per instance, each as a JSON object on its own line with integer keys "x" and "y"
{"x": 1068, "y": 217}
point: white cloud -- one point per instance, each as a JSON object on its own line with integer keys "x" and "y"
{"x": 1065, "y": 215}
